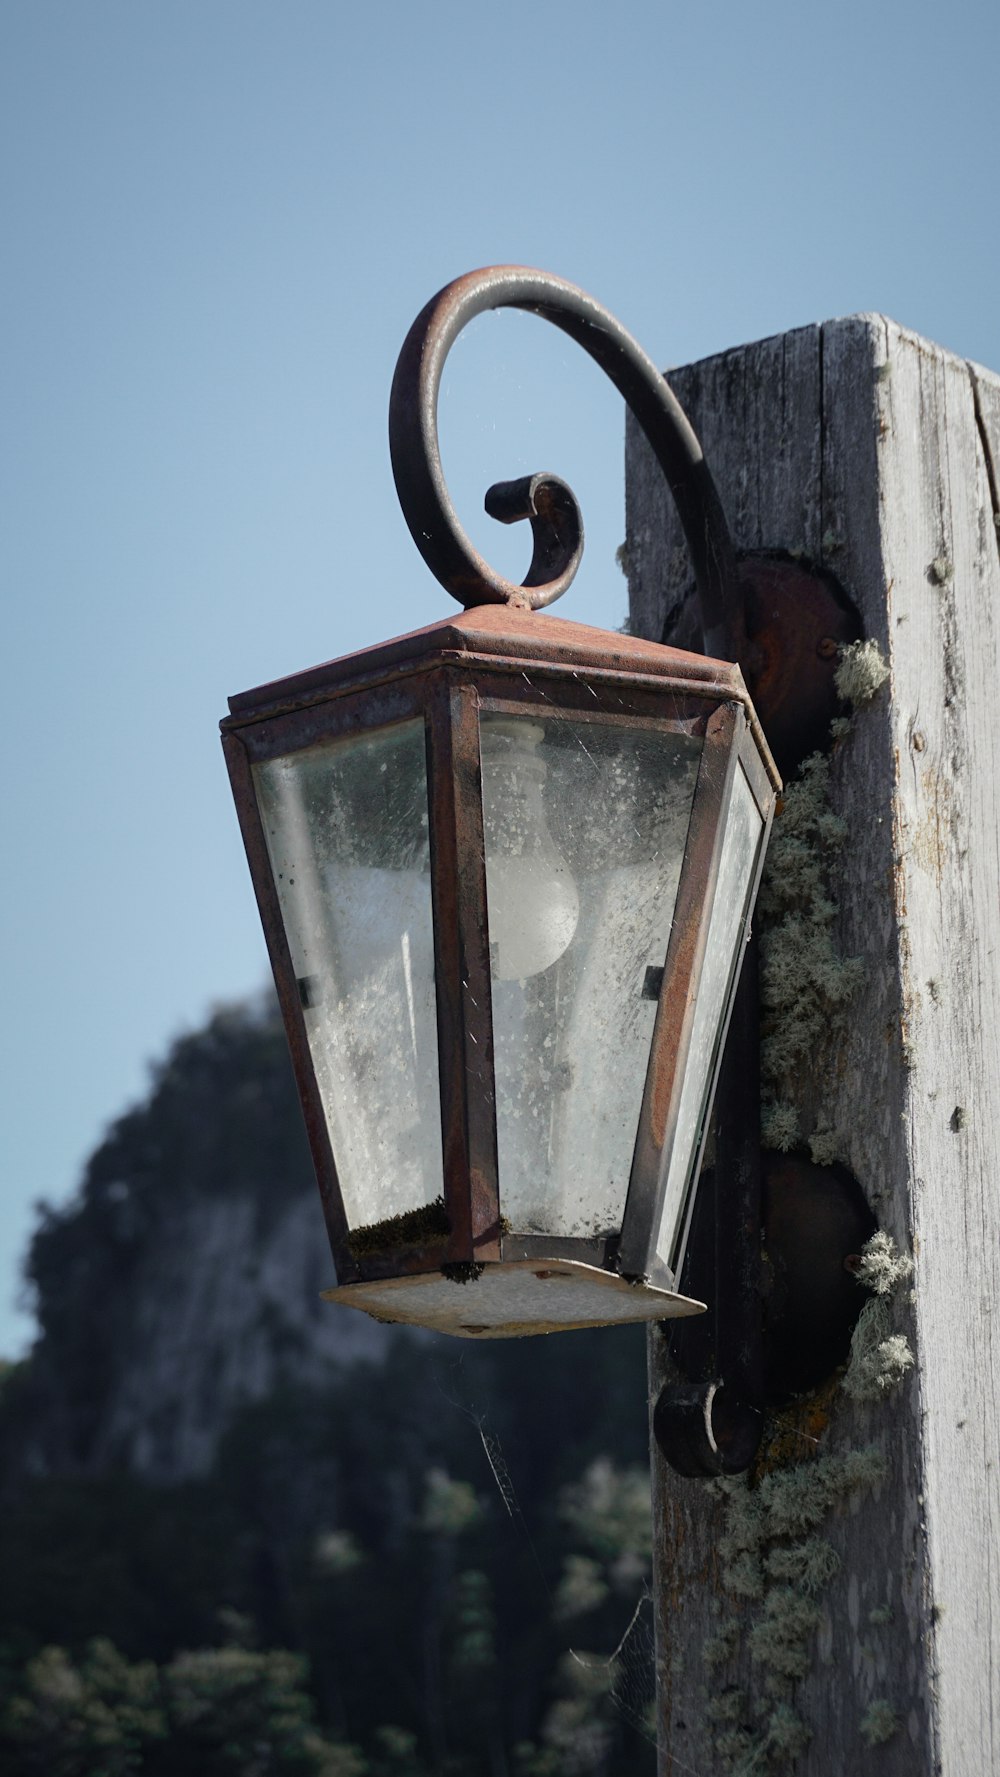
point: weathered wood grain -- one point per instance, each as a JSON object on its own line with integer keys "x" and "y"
{"x": 937, "y": 509}
{"x": 876, "y": 453}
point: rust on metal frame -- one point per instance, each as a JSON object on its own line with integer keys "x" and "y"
{"x": 798, "y": 617}
{"x": 337, "y": 717}
{"x": 506, "y": 640}
{"x": 601, "y": 1252}
{"x": 250, "y": 743}
{"x": 289, "y": 999}
{"x": 682, "y": 969}
{"x": 737, "y": 1191}
{"x": 746, "y": 1115}
{"x": 462, "y": 974}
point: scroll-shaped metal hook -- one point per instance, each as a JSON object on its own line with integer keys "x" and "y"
{"x": 549, "y": 503}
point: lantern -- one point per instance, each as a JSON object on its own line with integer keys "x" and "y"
{"x": 505, "y": 868}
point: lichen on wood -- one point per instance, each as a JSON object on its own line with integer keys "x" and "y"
{"x": 806, "y": 984}
{"x": 779, "y": 1125}
{"x": 882, "y": 1268}
{"x": 773, "y": 1559}
{"x": 809, "y": 1565}
{"x": 880, "y": 1357}
{"x": 781, "y": 1639}
{"x": 861, "y": 672}
{"x": 879, "y": 1722}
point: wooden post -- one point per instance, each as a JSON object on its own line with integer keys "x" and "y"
{"x": 875, "y": 454}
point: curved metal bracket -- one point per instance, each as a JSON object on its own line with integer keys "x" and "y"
{"x": 703, "y": 1432}
{"x": 791, "y": 1331}
{"x": 548, "y": 502}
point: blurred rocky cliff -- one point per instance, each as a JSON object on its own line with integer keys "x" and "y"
{"x": 182, "y": 1282}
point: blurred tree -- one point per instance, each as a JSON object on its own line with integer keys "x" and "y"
{"x": 421, "y": 1546}
{"x": 233, "y": 1710}
{"x": 92, "y": 1719}
{"x": 215, "y": 1711}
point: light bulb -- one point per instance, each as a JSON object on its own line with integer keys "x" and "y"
{"x": 533, "y": 903}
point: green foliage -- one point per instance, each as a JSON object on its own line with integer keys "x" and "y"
{"x": 582, "y": 1587}
{"x": 577, "y": 1730}
{"x": 216, "y": 1711}
{"x": 610, "y": 1509}
{"x": 147, "y": 1566}
{"x": 395, "y": 1754}
{"x": 474, "y": 1645}
{"x": 364, "y": 1529}
{"x": 94, "y": 1718}
{"x": 449, "y": 1506}
{"x": 336, "y": 1552}
{"x": 395, "y": 1564}
{"x": 231, "y": 1710}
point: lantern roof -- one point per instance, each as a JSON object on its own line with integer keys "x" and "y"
{"x": 506, "y": 637}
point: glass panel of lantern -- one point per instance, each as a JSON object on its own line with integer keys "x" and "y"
{"x": 737, "y": 859}
{"x": 585, "y": 825}
{"x": 346, "y": 826}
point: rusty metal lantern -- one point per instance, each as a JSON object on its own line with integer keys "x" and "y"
{"x": 505, "y": 868}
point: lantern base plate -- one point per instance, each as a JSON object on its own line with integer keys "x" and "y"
{"x": 514, "y": 1299}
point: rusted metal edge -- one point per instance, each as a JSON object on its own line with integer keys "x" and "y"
{"x": 684, "y": 681}
{"x": 462, "y": 972}
{"x": 487, "y": 629}
{"x": 675, "y": 1012}
{"x": 255, "y": 845}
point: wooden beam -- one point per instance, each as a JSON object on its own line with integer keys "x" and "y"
{"x": 876, "y": 454}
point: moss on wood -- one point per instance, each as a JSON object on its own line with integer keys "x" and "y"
{"x": 413, "y": 1228}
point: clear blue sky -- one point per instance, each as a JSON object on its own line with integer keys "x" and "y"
{"x": 218, "y": 219}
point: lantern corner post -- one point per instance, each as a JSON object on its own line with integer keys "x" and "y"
{"x": 462, "y": 972}
{"x": 239, "y": 748}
